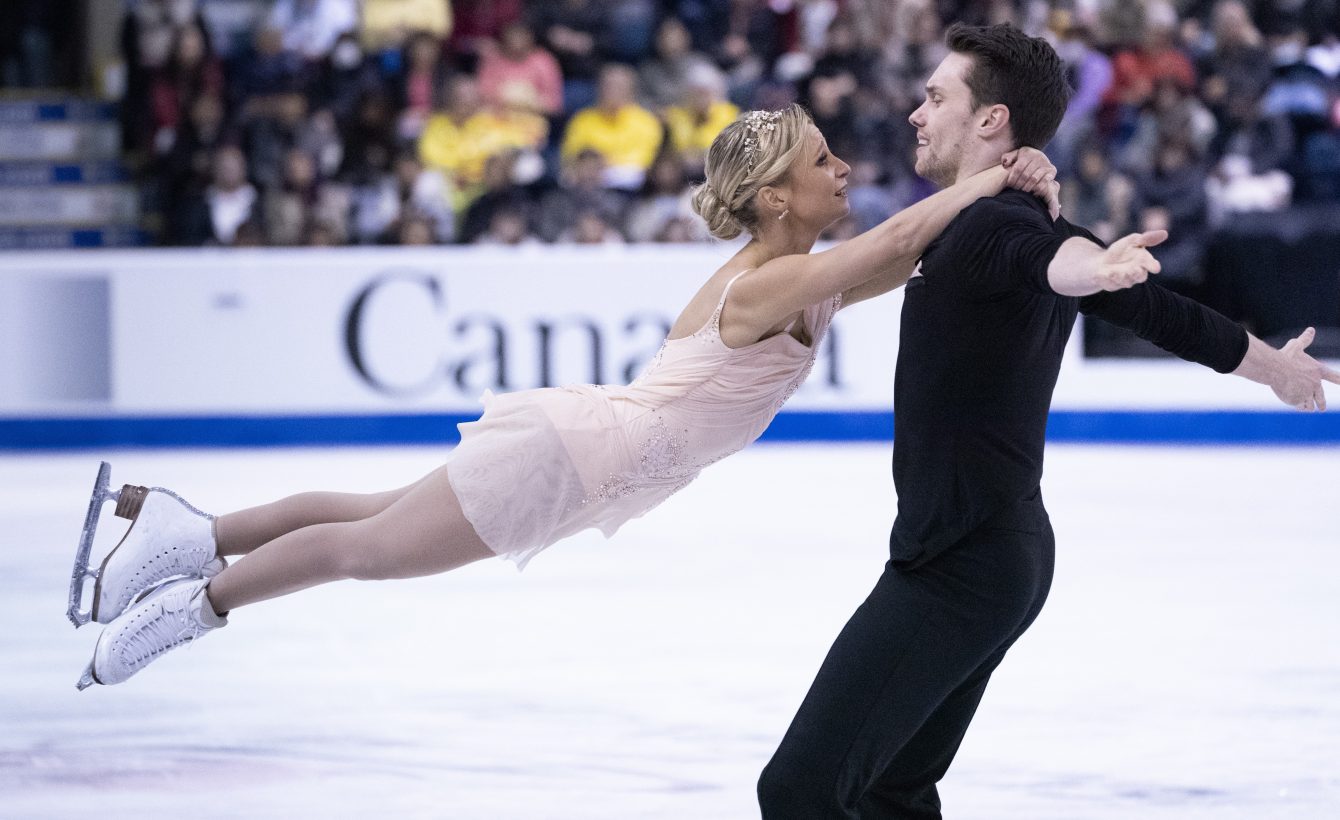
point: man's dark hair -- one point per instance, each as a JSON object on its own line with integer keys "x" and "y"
{"x": 1022, "y": 73}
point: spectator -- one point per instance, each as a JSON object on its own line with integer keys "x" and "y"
{"x": 1092, "y": 70}
{"x": 631, "y": 29}
{"x": 386, "y": 25}
{"x": 842, "y": 54}
{"x": 1235, "y": 188}
{"x": 320, "y": 138}
{"x": 191, "y": 71}
{"x": 666, "y": 75}
{"x": 266, "y": 69}
{"x": 188, "y": 167}
{"x": 269, "y": 131}
{"x": 1099, "y": 197}
{"x": 478, "y": 22}
{"x": 699, "y": 116}
{"x": 518, "y": 68}
{"x": 500, "y": 194}
{"x": 1171, "y": 114}
{"x": 460, "y": 139}
{"x": 581, "y": 189}
{"x": 217, "y": 214}
{"x": 666, "y": 197}
{"x": 414, "y": 229}
{"x": 1137, "y": 71}
{"x": 147, "y": 36}
{"x": 1265, "y": 139}
{"x": 591, "y": 228}
{"x": 871, "y": 202}
{"x": 679, "y": 230}
{"x": 1171, "y": 196}
{"x": 831, "y": 104}
{"x": 425, "y": 70}
{"x": 287, "y": 208}
{"x": 623, "y": 132}
{"x": 1324, "y": 55}
{"x": 343, "y": 78}
{"x": 370, "y": 140}
{"x": 410, "y": 188}
{"x": 311, "y": 27}
{"x": 903, "y": 66}
{"x": 1238, "y": 70}
{"x": 571, "y": 29}
{"x": 507, "y": 227}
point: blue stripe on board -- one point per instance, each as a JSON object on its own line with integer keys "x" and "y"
{"x": 1116, "y": 427}
{"x": 44, "y": 174}
{"x": 55, "y": 238}
{"x": 68, "y": 110}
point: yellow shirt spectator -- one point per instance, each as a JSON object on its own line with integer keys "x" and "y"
{"x": 387, "y": 23}
{"x": 628, "y": 140}
{"x": 460, "y": 149}
{"x": 691, "y": 137}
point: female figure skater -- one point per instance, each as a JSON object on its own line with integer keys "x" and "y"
{"x": 543, "y": 464}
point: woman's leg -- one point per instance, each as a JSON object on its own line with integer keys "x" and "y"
{"x": 238, "y": 533}
{"x": 423, "y": 532}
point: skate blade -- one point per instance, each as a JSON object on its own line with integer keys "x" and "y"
{"x": 86, "y": 680}
{"x": 81, "y": 574}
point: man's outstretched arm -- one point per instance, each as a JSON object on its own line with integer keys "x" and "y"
{"x": 1295, "y": 376}
{"x": 1083, "y": 268}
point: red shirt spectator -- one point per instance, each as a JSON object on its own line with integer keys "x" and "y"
{"x": 518, "y": 61}
{"x": 191, "y": 72}
{"x": 1136, "y": 72}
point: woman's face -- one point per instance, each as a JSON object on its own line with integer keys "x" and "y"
{"x": 816, "y": 183}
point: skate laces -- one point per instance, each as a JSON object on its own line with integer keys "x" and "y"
{"x": 162, "y": 631}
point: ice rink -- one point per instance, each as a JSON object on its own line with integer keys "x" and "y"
{"x": 1186, "y": 666}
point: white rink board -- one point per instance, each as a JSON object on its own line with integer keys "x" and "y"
{"x": 210, "y": 331}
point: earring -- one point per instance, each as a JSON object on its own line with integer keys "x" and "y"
{"x": 784, "y": 213}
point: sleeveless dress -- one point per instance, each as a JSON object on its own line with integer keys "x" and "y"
{"x": 543, "y": 464}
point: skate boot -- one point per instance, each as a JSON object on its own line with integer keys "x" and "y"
{"x": 174, "y": 613}
{"x": 167, "y": 538}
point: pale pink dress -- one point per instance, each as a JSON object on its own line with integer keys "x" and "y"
{"x": 540, "y": 465}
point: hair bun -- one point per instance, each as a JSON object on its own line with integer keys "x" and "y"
{"x": 721, "y": 222}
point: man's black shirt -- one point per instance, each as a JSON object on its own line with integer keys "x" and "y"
{"x": 980, "y": 349}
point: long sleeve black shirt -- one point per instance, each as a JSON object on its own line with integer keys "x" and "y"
{"x": 981, "y": 344}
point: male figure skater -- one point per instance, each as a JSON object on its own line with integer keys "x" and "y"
{"x": 984, "y": 326}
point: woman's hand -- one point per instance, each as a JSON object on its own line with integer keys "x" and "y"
{"x": 1031, "y": 171}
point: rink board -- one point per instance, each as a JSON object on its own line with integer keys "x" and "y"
{"x": 395, "y": 346}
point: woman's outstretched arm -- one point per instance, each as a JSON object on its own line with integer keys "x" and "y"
{"x": 883, "y": 257}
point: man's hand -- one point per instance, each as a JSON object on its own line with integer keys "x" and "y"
{"x": 1031, "y": 171}
{"x": 1126, "y": 262}
{"x": 1083, "y": 268}
{"x": 1297, "y": 377}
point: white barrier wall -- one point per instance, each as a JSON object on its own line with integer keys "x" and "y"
{"x": 384, "y": 332}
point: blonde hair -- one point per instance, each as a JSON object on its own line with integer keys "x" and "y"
{"x": 757, "y": 149}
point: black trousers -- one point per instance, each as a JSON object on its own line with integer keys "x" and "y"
{"x": 893, "y": 699}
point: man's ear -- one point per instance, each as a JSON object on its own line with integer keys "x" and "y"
{"x": 992, "y": 120}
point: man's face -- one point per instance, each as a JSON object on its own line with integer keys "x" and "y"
{"x": 944, "y": 121}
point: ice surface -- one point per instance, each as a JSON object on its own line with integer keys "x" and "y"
{"x": 1186, "y": 666}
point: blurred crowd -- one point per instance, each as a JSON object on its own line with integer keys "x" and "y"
{"x": 322, "y": 122}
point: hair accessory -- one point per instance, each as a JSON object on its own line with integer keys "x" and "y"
{"x": 758, "y": 123}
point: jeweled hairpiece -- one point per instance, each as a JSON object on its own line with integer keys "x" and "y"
{"x": 758, "y": 123}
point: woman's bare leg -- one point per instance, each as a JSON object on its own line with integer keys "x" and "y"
{"x": 423, "y": 532}
{"x": 238, "y": 533}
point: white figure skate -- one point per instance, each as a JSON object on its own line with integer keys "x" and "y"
{"x": 167, "y": 538}
{"x": 173, "y": 613}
